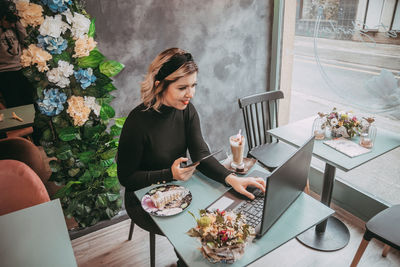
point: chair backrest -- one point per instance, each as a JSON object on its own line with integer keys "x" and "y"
{"x": 21, "y": 149}
{"x": 20, "y": 187}
{"x": 260, "y": 113}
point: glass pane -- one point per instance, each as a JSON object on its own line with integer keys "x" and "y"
{"x": 338, "y": 62}
{"x": 374, "y": 12}
{"x": 396, "y": 20}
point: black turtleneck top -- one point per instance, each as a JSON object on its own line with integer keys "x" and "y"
{"x": 151, "y": 141}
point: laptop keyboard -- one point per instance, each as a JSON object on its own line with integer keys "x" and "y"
{"x": 252, "y": 208}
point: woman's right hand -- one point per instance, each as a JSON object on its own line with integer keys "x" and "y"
{"x": 182, "y": 174}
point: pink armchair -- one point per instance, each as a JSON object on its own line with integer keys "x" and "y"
{"x": 20, "y": 187}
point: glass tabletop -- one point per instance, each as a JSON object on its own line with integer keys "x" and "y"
{"x": 300, "y": 216}
{"x": 298, "y": 132}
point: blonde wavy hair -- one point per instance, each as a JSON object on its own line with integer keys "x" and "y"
{"x": 151, "y": 94}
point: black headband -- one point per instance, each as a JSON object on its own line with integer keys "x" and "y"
{"x": 172, "y": 65}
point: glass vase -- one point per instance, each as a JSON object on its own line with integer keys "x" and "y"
{"x": 368, "y": 133}
{"x": 318, "y": 128}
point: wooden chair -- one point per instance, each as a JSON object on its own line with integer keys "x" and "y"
{"x": 260, "y": 113}
{"x": 384, "y": 226}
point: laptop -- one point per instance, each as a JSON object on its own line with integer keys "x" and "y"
{"x": 284, "y": 185}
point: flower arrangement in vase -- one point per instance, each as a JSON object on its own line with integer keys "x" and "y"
{"x": 223, "y": 235}
{"x": 342, "y": 124}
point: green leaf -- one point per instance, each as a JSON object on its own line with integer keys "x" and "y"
{"x": 112, "y": 170}
{"x": 109, "y": 213}
{"x": 69, "y": 133}
{"x": 102, "y": 80}
{"x": 110, "y": 182}
{"x": 92, "y": 28}
{"x": 92, "y": 132}
{"x": 92, "y": 60}
{"x": 86, "y": 177}
{"x": 119, "y": 122}
{"x": 95, "y": 170}
{"x": 86, "y": 156}
{"x": 109, "y": 154}
{"x": 63, "y": 56}
{"x": 62, "y": 192}
{"x": 106, "y": 99}
{"x": 64, "y": 152}
{"x": 101, "y": 201}
{"x": 110, "y": 87}
{"x": 115, "y": 131}
{"x": 112, "y": 197}
{"x": 111, "y": 68}
{"x": 87, "y": 209}
{"x": 107, "y": 162}
{"x": 106, "y": 112}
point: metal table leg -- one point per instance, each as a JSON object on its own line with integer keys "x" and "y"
{"x": 331, "y": 234}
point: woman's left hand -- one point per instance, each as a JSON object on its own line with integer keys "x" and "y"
{"x": 241, "y": 183}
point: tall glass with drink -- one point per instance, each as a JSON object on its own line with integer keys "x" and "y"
{"x": 237, "y": 143}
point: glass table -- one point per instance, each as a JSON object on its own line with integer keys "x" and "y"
{"x": 331, "y": 234}
{"x": 36, "y": 236}
{"x": 304, "y": 213}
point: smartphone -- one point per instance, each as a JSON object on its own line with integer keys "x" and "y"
{"x": 206, "y": 157}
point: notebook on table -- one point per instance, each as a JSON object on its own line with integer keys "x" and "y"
{"x": 347, "y": 147}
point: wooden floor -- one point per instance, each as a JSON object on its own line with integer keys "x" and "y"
{"x": 109, "y": 247}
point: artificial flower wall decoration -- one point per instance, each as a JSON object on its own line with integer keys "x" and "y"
{"x": 73, "y": 81}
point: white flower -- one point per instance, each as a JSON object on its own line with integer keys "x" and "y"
{"x": 53, "y": 26}
{"x": 79, "y": 24}
{"x": 60, "y": 75}
{"x": 66, "y": 68}
{"x": 334, "y": 122}
{"x": 90, "y": 102}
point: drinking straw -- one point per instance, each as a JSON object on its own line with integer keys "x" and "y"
{"x": 239, "y": 133}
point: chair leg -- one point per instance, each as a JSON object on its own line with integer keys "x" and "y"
{"x": 360, "y": 252}
{"x": 307, "y": 188}
{"x": 385, "y": 251}
{"x": 152, "y": 249}
{"x": 131, "y": 230}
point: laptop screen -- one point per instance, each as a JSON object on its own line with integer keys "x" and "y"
{"x": 285, "y": 184}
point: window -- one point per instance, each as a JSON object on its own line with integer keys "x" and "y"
{"x": 346, "y": 54}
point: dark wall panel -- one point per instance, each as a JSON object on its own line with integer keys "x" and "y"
{"x": 229, "y": 39}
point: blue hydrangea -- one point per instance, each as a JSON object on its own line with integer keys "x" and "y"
{"x": 57, "y": 5}
{"x": 85, "y": 77}
{"x": 52, "y": 44}
{"x": 52, "y": 103}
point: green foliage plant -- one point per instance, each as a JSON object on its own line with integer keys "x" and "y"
{"x": 85, "y": 152}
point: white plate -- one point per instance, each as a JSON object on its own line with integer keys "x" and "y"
{"x": 172, "y": 208}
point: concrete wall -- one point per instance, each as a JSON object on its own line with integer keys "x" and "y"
{"x": 229, "y": 40}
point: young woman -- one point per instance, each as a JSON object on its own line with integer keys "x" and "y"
{"x": 157, "y": 134}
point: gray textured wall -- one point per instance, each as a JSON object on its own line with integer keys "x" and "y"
{"x": 229, "y": 40}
